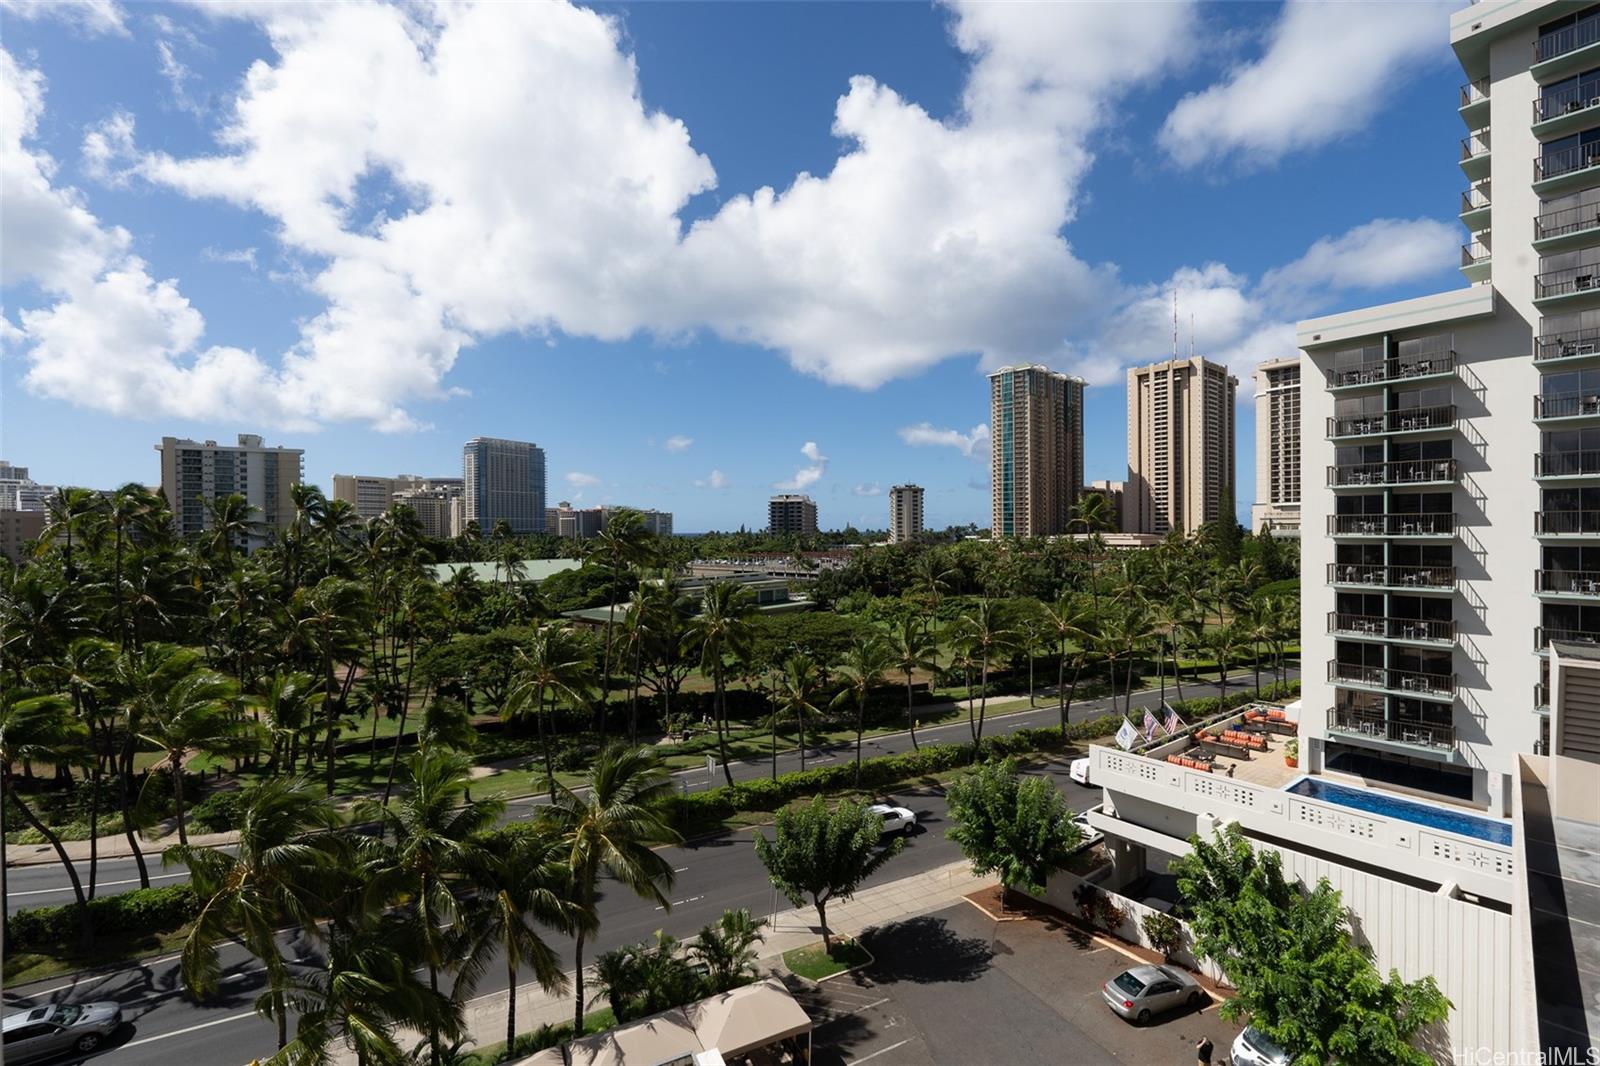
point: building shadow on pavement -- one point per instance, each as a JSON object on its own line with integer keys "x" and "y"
{"x": 925, "y": 950}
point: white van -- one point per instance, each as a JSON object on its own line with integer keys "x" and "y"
{"x": 1079, "y": 771}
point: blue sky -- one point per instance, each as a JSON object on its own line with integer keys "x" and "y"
{"x": 695, "y": 251}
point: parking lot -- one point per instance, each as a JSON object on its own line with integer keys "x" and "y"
{"x": 957, "y": 987}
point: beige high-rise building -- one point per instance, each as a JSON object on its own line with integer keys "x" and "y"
{"x": 194, "y": 472}
{"x": 437, "y": 507}
{"x": 1277, "y": 504}
{"x": 1181, "y": 454}
{"x": 791, "y": 514}
{"x": 371, "y": 496}
{"x": 905, "y": 513}
{"x": 1036, "y": 450}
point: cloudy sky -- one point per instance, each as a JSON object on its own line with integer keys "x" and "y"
{"x": 698, "y": 252}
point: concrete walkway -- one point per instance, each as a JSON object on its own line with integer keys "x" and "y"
{"x": 115, "y": 847}
{"x": 923, "y": 893}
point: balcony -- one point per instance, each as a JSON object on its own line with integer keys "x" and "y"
{"x": 1542, "y": 637}
{"x": 1566, "y": 523}
{"x": 1396, "y": 472}
{"x": 1428, "y": 524}
{"x": 1475, "y": 208}
{"x": 1475, "y": 154}
{"x": 1562, "y": 168}
{"x": 1573, "y": 464}
{"x": 1568, "y": 227}
{"x": 1372, "y": 725}
{"x": 1474, "y": 107}
{"x": 1405, "y": 630}
{"x": 1563, "y": 405}
{"x": 1556, "y": 114}
{"x": 1567, "y": 584}
{"x": 1541, "y": 698}
{"x": 1399, "y": 578}
{"x": 1475, "y": 260}
{"x": 1568, "y": 48}
{"x": 1377, "y": 371}
{"x": 1387, "y": 423}
{"x": 1569, "y": 347}
{"x": 1414, "y": 683}
{"x": 1566, "y": 284}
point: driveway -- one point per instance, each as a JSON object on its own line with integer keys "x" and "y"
{"x": 957, "y": 987}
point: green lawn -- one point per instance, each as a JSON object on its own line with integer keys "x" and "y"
{"x": 24, "y": 966}
{"x": 815, "y": 964}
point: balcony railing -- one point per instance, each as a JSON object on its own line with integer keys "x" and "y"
{"x": 1558, "y": 161}
{"x": 1566, "y": 523}
{"x": 1391, "y": 680}
{"x": 1568, "y": 101}
{"x": 1474, "y": 199}
{"x": 1567, "y": 344}
{"x": 1395, "y": 472}
{"x": 1475, "y": 144}
{"x": 1567, "y": 404}
{"x": 1541, "y": 696}
{"x": 1567, "y": 582}
{"x": 1429, "y": 524}
{"x": 1566, "y": 282}
{"x": 1402, "y": 420}
{"x": 1583, "y": 463}
{"x": 1400, "y": 730}
{"x": 1542, "y": 636}
{"x": 1437, "y": 631}
{"x": 1475, "y": 92}
{"x": 1405, "y": 577}
{"x": 1562, "y": 222}
{"x": 1474, "y": 253}
{"x": 1583, "y": 32}
{"x": 1377, "y": 371}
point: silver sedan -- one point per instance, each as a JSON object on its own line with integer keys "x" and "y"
{"x": 45, "y": 1032}
{"x": 1145, "y": 991}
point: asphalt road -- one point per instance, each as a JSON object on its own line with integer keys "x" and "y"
{"x": 46, "y": 884}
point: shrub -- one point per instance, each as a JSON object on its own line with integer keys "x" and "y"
{"x": 217, "y": 812}
{"x": 1163, "y": 932}
{"x": 144, "y": 910}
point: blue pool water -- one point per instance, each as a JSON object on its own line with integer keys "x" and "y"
{"x": 1394, "y": 807}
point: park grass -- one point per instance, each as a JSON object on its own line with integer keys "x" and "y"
{"x": 814, "y": 964}
{"x": 22, "y": 967}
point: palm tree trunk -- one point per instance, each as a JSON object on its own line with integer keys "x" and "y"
{"x": 972, "y": 721}
{"x": 177, "y": 800}
{"x": 605, "y": 670}
{"x": 281, "y": 1010}
{"x": 126, "y": 776}
{"x": 1177, "y": 668}
{"x": 1061, "y": 689}
{"x": 433, "y": 1025}
{"x": 82, "y": 902}
{"x": 330, "y": 713}
{"x": 800, "y": 734}
{"x": 861, "y": 724}
{"x": 577, "y": 984}
{"x": 633, "y": 698}
{"x": 94, "y": 807}
{"x": 774, "y": 743}
{"x": 544, "y": 741}
{"x": 983, "y": 699}
{"x": 911, "y": 714}
{"x": 1255, "y": 654}
{"x": 1030, "y": 677}
{"x": 511, "y": 1005}
{"x": 720, "y": 712}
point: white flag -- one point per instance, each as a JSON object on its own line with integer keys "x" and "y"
{"x": 1127, "y": 735}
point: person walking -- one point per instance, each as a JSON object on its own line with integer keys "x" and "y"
{"x": 1203, "y": 1049}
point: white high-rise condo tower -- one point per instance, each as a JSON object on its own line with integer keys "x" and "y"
{"x": 194, "y": 473}
{"x": 1277, "y": 505}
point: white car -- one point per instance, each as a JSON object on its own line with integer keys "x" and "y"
{"x": 1079, "y": 771}
{"x": 1090, "y": 833}
{"x": 895, "y": 819}
{"x": 1252, "y": 1048}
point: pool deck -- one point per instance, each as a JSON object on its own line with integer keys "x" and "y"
{"x": 1264, "y": 768}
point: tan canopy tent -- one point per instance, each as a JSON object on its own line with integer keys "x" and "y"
{"x": 704, "y": 1033}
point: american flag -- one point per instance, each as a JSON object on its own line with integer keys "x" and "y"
{"x": 1173, "y": 722}
{"x": 1149, "y": 724}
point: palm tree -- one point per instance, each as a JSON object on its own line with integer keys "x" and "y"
{"x": 933, "y": 579}
{"x": 70, "y": 510}
{"x": 792, "y": 691}
{"x": 862, "y": 667}
{"x": 190, "y": 714}
{"x": 985, "y": 637}
{"x": 727, "y": 949}
{"x": 431, "y": 844}
{"x": 1256, "y": 624}
{"x": 553, "y": 664}
{"x": 1072, "y": 621}
{"x": 912, "y": 648}
{"x": 270, "y": 879}
{"x": 723, "y": 629}
{"x": 330, "y": 620}
{"x": 622, "y": 544}
{"x": 229, "y": 520}
{"x": 520, "y": 889}
{"x": 612, "y": 826}
{"x": 35, "y": 727}
{"x": 334, "y": 523}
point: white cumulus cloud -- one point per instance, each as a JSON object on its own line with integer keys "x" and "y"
{"x": 808, "y": 475}
{"x": 1327, "y": 68}
{"x": 579, "y": 480}
{"x": 677, "y": 443}
{"x": 925, "y": 434}
{"x": 715, "y": 480}
{"x": 94, "y": 17}
{"x": 873, "y": 489}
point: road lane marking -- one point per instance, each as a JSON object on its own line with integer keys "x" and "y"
{"x": 103, "y": 884}
{"x": 864, "y": 1058}
{"x": 192, "y": 1028}
{"x": 681, "y": 902}
{"x": 679, "y": 869}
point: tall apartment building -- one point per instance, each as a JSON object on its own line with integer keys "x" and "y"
{"x": 503, "y": 479}
{"x": 1277, "y": 505}
{"x": 19, "y": 492}
{"x": 19, "y": 529}
{"x": 193, "y": 472}
{"x": 1036, "y": 450}
{"x": 1181, "y": 453}
{"x": 905, "y": 513}
{"x": 372, "y": 495}
{"x": 791, "y": 514}
{"x": 437, "y": 506}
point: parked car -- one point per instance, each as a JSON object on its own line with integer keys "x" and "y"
{"x": 45, "y": 1032}
{"x": 1079, "y": 771}
{"x": 1145, "y": 991}
{"x": 1091, "y": 835}
{"x": 895, "y": 819}
{"x": 1252, "y": 1047}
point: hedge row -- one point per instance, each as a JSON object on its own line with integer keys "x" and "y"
{"x": 143, "y": 910}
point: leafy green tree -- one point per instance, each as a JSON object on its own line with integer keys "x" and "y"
{"x": 638, "y": 980}
{"x": 1299, "y": 975}
{"x": 1018, "y": 827}
{"x": 793, "y": 689}
{"x": 821, "y": 854}
{"x": 612, "y": 826}
{"x": 269, "y": 880}
{"x": 727, "y": 949}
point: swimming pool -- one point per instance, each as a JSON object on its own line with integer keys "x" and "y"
{"x": 1394, "y": 807}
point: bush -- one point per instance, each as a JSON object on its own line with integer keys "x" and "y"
{"x": 218, "y": 812}
{"x": 1163, "y": 932}
{"x": 144, "y": 910}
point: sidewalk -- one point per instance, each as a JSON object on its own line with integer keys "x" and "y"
{"x": 113, "y": 847}
{"x": 921, "y": 893}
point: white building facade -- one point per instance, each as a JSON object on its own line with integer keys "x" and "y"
{"x": 1277, "y": 400}
{"x": 194, "y": 473}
